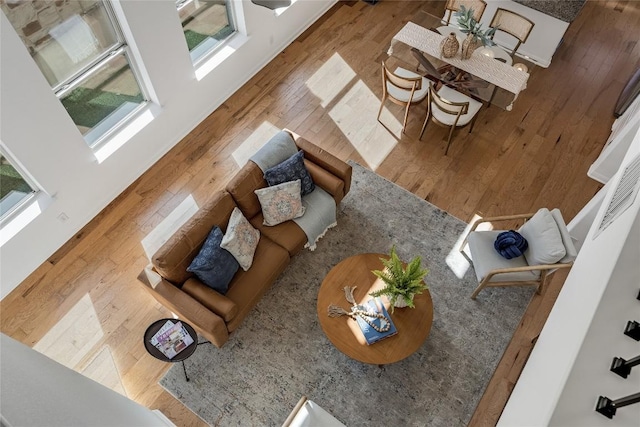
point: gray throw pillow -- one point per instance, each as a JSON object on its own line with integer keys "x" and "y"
{"x": 291, "y": 169}
{"x": 213, "y": 265}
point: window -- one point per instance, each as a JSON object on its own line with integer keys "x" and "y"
{"x": 206, "y": 24}
{"x": 14, "y": 189}
{"x": 82, "y": 53}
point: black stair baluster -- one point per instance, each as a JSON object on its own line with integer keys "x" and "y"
{"x": 608, "y": 407}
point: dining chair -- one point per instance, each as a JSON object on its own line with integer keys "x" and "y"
{"x": 452, "y": 6}
{"x": 404, "y": 88}
{"x": 548, "y": 248}
{"x": 450, "y": 108}
{"x": 513, "y": 24}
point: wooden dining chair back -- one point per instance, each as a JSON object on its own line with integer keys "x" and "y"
{"x": 452, "y": 6}
{"x": 450, "y": 108}
{"x": 513, "y": 24}
{"x": 404, "y": 88}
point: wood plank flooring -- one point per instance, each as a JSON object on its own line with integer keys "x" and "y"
{"x": 326, "y": 86}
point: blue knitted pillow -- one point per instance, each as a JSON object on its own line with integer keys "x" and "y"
{"x": 290, "y": 170}
{"x": 510, "y": 244}
{"x": 213, "y": 265}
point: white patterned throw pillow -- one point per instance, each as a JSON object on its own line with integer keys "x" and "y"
{"x": 281, "y": 202}
{"x": 241, "y": 239}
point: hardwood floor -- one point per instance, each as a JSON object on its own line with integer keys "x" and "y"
{"x": 83, "y": 306}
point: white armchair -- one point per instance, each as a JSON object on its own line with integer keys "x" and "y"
{"x": 307, "y": 413}
{"x": 550, "y": 248}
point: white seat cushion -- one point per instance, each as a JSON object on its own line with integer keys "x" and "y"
{"x": 403, "y": 94}
{"x": 485, "y": 258}
{"x": 312, "y": 415}
{"x": 543, "y": 236}
{"x": 453, "y": 95}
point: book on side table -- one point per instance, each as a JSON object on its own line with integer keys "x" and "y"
{"x": 171, "y": 339}
{"x": 375, "y": 328}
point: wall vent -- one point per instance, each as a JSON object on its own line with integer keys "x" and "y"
{"x": 624, "y": 195}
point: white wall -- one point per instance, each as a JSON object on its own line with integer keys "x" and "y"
{"x": 569, "y": 366}
{"x": 36, "y": 130}
{"x": 37, "y": 391}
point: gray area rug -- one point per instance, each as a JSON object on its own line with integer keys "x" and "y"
{"x": 280, "y": 353}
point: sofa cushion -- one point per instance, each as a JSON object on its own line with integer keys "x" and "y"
{"x": 281, "y": 202}
{"x": 543, "y": 236}
{"x": 247, "y": 287}
{"x": 214, "y": 301}
{"x": 289, "y": 235}
{"x": 173, "y": 257}
{"x": 214, "y": 265}
{"x": 241, "y": 239}
{"x": 242, "y": 186}
{"x": 290, "y": 170}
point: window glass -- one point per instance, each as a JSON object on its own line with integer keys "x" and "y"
{"x": 79, "y": 48}
{"x": 206, "y": 24}
{"x": 14, "y": 189}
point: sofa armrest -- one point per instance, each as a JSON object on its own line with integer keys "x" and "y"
{"x": 214, "y": 301}
{"x": 326, "y": 180}
{"x": 207, "y": 323}
{"x": 324, "y": 159}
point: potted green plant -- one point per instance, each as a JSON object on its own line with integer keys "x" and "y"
{"x": 476, "y": 36}
{"x": 401, "y": 284}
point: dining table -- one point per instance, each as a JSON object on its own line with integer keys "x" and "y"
{"x": 491, "y": 64}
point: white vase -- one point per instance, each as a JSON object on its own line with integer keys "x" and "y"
{"x": 400, "y": 302}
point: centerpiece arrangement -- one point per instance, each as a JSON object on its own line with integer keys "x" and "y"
{"x": 476, "y": 36}
{"x": 401, "y": 284}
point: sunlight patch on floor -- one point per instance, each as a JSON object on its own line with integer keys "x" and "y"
{"x": 163, "y": 231}
{"x": 457, "y": 262}
{"x": 330, "y": 79}
{"x": 74, "y": 336}
{"x": 102, "y": 369}
{"x": 256, "y": 140}
{"x": 355, "y": 115}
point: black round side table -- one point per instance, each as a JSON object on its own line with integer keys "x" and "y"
{"x": 180, "y": 357}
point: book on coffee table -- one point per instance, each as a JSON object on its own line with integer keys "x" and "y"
{"x": 371, "y": 335}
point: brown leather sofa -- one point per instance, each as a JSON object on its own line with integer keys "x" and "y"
{"x": 212, "y": 314}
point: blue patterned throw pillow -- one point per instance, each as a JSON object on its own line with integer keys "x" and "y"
{"x": 291, "y": 169}
{"x": 213, "y": 265}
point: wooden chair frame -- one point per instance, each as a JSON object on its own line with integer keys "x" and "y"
{"x": 452, "y": 6}
{"x": 495, "y": 22}
{"x": 462, "y": 108}
{"x": 295, "y": 411}
{"x": 545, "y": 269}
{"x": 410, "y": 84}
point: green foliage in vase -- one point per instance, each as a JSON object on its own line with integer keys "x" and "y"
{"x": 468, "y": 25}
{"x": 400, "y": 281}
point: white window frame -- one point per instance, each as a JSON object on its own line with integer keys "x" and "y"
{"x": 72, "y": 82}
{"x": 231, "y": 16}
{"x": 18, "y": 207}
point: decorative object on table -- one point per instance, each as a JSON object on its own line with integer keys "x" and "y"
{"x": 372, "y": 317}
{"x": 521, "y": 67}
{"x": 449, "y": 46}
{"x": 401, "y": 284}
{"x": 510, "y": 244}
{"x": 476, "y": 36}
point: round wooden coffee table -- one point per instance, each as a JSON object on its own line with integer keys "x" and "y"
{"x": 413, "y": 324}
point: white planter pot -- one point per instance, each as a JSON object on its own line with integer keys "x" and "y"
{"x": 400, "y": 302}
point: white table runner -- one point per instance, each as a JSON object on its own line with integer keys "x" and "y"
{"x": 484, "y": 67}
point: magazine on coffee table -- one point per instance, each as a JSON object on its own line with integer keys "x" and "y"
{"x": 171, "y": 339}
